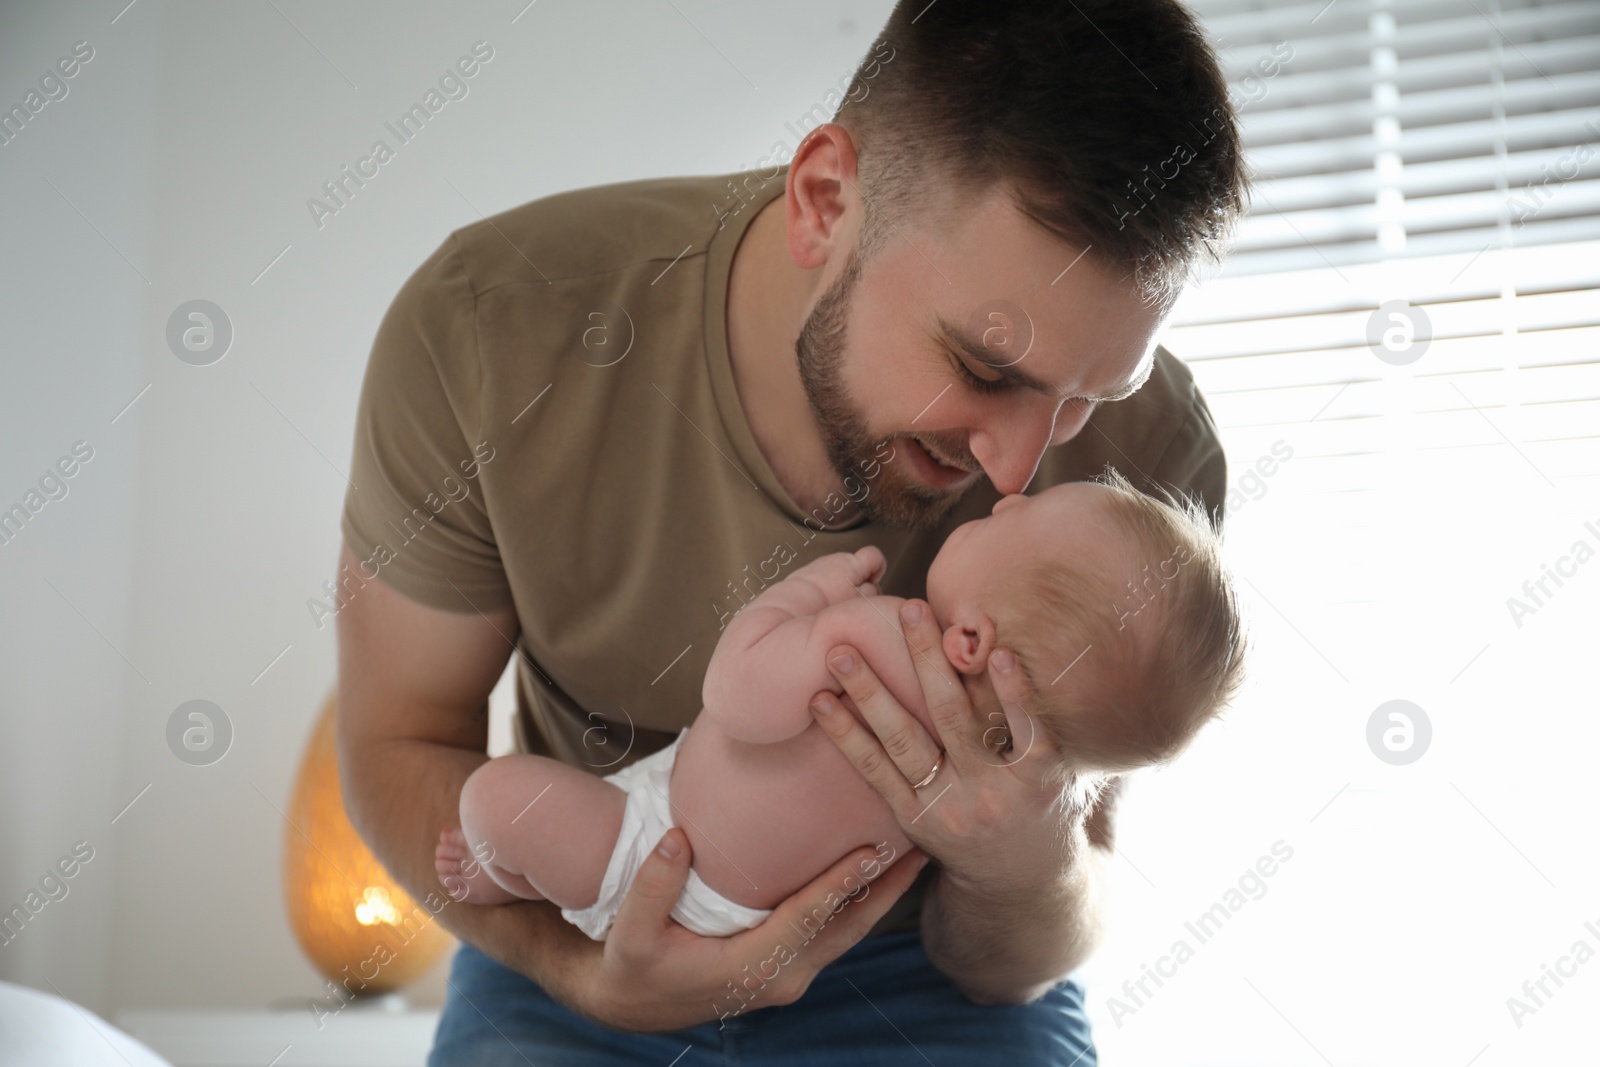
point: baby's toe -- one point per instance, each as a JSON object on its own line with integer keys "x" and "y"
{"x": 448, "y": 867}
{"x": 447, "y": 854}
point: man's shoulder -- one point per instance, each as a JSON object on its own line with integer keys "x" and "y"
{"x": 1170, "y": 390}
{"x": 534, "y": 260}
{"x": 588, "y": 231}
{"x": 1145, "y": 424}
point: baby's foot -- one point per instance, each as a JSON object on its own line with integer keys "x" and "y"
{"x": 461, "y": 873}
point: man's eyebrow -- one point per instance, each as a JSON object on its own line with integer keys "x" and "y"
{"x": 959, "y": 342}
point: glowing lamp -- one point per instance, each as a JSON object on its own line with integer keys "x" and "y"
{"x": 353, "y": 921}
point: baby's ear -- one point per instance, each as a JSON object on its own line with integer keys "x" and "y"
{"x": 968, "y": 647}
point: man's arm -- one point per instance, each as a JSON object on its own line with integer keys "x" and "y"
{"x": 410, "y": 729}
{"x": 1011, "y": 952}
{"x": 411, "y": 726}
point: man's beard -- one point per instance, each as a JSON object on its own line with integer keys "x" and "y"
{"x": 895, "y": 497}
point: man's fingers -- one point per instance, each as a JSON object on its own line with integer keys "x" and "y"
{"x": 1031, "y": 749}
{"x": 862, "y": 749}
{"x": 838, "y": 907}
{"x": 901, "y": 733}
{"x": 947, "y": 698}
{"x": 649, "y": 901}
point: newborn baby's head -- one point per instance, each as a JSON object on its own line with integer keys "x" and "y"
{"x": 1117, "y": 607}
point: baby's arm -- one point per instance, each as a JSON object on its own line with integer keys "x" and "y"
{"x": 830, "y": 579}
{"x": 788, "y": 607}
{"x": 760, "y": 693}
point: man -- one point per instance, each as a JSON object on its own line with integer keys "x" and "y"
{"x": 670, "y": 393}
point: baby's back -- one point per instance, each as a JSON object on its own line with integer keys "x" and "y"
{"x": 765, "y": 819}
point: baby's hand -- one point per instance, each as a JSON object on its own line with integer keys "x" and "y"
{"x": 842, "y": 576}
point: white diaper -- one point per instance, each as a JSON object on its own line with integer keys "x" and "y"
{"x": 645, "y": 817}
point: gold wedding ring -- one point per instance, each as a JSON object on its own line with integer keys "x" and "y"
{"x": 936, "y": 764}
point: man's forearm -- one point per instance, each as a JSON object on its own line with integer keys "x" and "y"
{"x": 400, "y": 794}
{"x": 1012, "y": 950}
{"x": 1000, "y": 951}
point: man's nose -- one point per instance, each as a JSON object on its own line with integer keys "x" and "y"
{"x": 1012, "y": 446}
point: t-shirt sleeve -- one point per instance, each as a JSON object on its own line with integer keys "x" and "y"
{"x": 1193, "y": 462}
{"x": 415, "y": 511}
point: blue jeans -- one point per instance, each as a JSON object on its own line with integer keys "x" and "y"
{"x": 881, "y": 1003}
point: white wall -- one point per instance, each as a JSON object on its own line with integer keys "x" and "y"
{"x": 72, "y": 356}
{"x": 210, "y": 511}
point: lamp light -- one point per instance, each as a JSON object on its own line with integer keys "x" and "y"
{"x": 354, "y": 921}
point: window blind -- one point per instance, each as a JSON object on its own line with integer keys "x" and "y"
{"x": 1439, "y": 159}
{"x": 1390, "y": 491}
{"x": 1412, "y": 127}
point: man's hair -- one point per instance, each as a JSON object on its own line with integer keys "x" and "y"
{"x": 1128, "y": 667}
{"x": 1108, "y": 120}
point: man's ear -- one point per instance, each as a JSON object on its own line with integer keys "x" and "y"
{"x": 967, "y": 647}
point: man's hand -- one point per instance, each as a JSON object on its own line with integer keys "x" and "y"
{"x": 990, "y": 816}
{"x": 413, "y": 687}
{"x": 654, "y": 974}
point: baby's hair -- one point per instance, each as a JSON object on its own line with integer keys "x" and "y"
{"x": 1128, "y": 668}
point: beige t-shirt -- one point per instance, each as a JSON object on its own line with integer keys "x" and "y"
{"x": 549, "y": 420}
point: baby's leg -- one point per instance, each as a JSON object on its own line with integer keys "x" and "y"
{"x": 541, "y": 829}
{"x": 464, "y": 877}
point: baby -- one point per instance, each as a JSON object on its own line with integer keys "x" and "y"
{"x": 1116, "y": 606}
